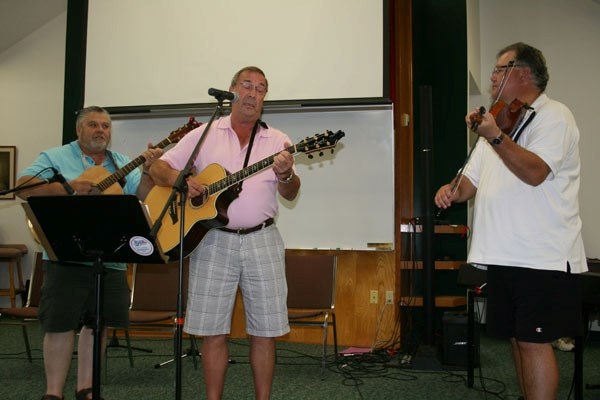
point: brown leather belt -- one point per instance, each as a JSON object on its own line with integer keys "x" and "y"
{"x": 244, "y": 231}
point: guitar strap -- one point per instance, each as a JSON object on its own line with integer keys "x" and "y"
{"x": 122, "y": 181}
{"x": 258, "y": 123}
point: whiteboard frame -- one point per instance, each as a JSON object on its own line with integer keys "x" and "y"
{"x": 346, "y": 201}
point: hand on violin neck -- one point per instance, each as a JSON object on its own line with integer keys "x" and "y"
{"x": 474, "y": 118}
{"x": 481, "y": 122}
{"x": 483, "y": 125}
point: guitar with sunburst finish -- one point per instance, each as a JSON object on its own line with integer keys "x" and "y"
{"x": 209, "y": 210}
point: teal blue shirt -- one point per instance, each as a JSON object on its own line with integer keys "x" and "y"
{"x": 70, "y": 161}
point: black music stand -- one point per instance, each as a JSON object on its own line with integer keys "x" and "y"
{"x": 96, "y": 229}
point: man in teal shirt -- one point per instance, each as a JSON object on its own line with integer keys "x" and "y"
{"x": 68, "y": 292}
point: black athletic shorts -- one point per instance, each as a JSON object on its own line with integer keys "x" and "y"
{"x": 533, "y": 305}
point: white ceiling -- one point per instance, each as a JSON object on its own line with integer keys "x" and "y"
{"x": 19, "y": 18}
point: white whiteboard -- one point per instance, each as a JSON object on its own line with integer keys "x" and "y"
{"x": 347, "y": 198}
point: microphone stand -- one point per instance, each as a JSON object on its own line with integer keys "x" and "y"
{"x": 180, "y": 187}
{"x": 32, "y": 185}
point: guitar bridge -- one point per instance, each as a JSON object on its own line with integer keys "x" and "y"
{"x": 173, "y": 212}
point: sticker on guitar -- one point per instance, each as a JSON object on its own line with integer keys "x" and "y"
{"x": 210, "y": 210}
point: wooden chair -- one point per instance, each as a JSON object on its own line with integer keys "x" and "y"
{"x": 311, "y": 295}
{"x": 11, "y": 254}
{"x": 154, "y": 299}
{"x": 27, "y": 314}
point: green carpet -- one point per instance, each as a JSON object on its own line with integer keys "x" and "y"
{"x": 297, "y": 375}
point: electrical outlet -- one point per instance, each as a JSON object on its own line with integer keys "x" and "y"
{"x": 389, "y": 297}
{"x": 374, "y": 296}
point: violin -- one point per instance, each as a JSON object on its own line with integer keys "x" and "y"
{"x": 507, "y": 116}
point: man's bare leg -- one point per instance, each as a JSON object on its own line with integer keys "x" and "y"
{"x": 262, "y": 360}
{"x": 215, "y": 357}
{"x": 58, "y": 352}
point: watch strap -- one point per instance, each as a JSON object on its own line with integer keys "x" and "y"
{"x": 497, "y": 140}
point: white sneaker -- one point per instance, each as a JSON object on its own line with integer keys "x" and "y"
{"x": 564, "y": 344}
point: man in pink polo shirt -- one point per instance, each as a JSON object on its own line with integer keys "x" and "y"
{"x": 249, "y": 252}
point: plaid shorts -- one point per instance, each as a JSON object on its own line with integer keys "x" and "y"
{"x": 225, "y": 261}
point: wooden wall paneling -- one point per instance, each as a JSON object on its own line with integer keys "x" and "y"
{"x": 404, "y": 127}
{"x": 358, "y": 272}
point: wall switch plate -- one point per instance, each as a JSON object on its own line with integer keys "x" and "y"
{"x": 374, "y": 296}
{"x": 389, "y": 297}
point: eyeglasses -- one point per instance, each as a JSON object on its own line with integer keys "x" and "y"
{"x": 502, "y": 68}
{"x": 260, "y": 88}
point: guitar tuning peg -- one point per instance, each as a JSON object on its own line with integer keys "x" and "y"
{"x": 331, "y": 151}
{"x": 311, "y": 156}
{"x": 320, "y": 154}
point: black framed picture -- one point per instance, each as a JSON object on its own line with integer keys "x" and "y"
{"x": 8, "y": 167}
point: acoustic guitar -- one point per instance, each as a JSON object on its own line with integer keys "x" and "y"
{"x": 107, "y": 183}
{"x": 209, "y": 210}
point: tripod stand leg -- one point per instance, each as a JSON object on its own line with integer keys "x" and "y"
{"x": 114, "y": 342}
{"x": 129, "y": 352}
{"x": 192, "y": 351}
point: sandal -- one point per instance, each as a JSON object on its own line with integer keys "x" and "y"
{"x": 51, "y": 397}
{"x": 82, "y": 394}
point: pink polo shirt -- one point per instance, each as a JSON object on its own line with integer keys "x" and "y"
{"x": 258, "y": 199}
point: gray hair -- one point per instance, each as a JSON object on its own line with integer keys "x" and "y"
{"x": 250, "y": 68}
{"x": 529, "y": 56}
{"x": 81, "y": 114}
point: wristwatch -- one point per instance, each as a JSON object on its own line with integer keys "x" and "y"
{"x": 497, "y": 140}
{"x": 287, "y": 179}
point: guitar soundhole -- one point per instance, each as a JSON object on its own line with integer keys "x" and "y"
{"x": 199, "y": 201}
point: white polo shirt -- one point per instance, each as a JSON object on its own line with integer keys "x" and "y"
{"x": 517, "y": 224}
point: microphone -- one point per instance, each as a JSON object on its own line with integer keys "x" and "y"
{"x": 223, "y": 95}
{"x": 61, "y": 179}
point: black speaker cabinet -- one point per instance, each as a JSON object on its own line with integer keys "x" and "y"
{"x": 455, "y": 339}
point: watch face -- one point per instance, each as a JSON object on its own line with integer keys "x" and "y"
{"x": 497, "y": 140}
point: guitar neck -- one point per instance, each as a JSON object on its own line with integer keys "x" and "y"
{"x": 130, "y": 166}
{"x": 236, "y": 177}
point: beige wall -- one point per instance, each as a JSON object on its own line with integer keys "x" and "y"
{"x": 31, "y": 108}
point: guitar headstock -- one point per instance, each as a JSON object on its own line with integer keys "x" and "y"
{"x": 180, "y": 132}
{"x": 319, "y": 142}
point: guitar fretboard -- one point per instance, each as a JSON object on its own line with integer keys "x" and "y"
{"x": 125, "y": 170}
{"x": 233, "y": 179}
